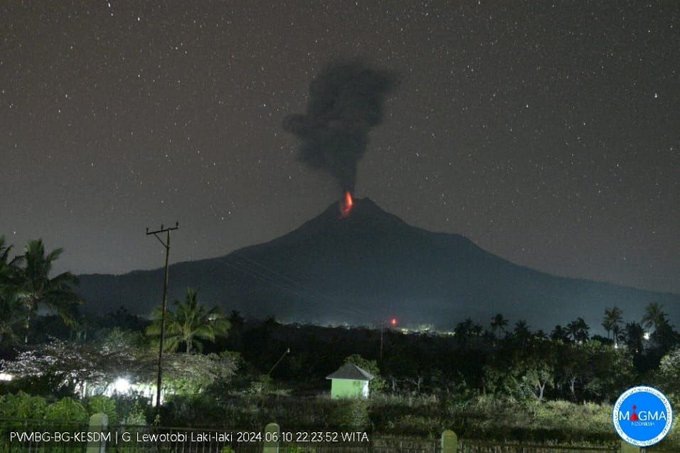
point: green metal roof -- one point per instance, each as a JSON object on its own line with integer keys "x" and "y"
{"x": 351, "y": 371}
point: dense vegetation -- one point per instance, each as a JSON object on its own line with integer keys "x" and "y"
{"x": 498, "y": 381}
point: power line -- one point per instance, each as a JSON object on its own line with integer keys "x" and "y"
{"x": 297, "y": 286}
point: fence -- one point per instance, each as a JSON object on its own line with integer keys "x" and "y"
{"x": 476, "y": 446}
{"x": 40, "y": 436}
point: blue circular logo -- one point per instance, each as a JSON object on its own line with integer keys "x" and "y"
{"x": 642, "y": 416}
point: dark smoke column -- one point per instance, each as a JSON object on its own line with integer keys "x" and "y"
{"x": 346, "y": 101}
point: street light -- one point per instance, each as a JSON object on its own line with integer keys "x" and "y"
{"x": 121, "y": 386}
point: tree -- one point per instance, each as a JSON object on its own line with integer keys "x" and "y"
{"x": 237, "y": 322}
{"x": 521, "y": 334}
{"x": 578, "y": 330}
{"x": 498, "y": 324}
{"x": 377, "y": 384}
{"x": 10, "y": 305}
{"x": 664, "y": 338}
{"x": 559, "y": 333}
{"x": 189, "y": 325}
{"x": 191, "y": 374}
{"x": 5, "y": 262}
{"x": 36, "y": 288}
{"x": 654, "y": 316}
{"x": 521, "y": 373}
{"x": 572, "y": 366}
{"x": 68, "y": 366}
{"x": 669, "y": 373}
{"x": 463, "y": 331}
{"x": 6, "y": 265}
{"x": 613, "y": 317}
{"x": 634, "y": 334}
{"x": 601, "y": 384}
{"x": 12, "y": 317}
{"x": 539, "y": 375}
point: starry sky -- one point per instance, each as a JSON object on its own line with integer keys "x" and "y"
{"x": 548, "y": 133}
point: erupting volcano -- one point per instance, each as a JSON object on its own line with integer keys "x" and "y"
{"x": 345, "y": 102}
{"x": 346, "y": 205}
{"x": 397, "y": 272}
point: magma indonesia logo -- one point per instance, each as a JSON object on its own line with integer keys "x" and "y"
{"x": 642, "y": 416}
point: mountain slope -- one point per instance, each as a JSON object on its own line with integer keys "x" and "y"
{"x": 370, "y": 266}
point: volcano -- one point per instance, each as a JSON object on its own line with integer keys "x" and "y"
{"x": 364, "y": 268}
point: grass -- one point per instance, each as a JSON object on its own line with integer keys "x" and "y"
{"x": 417, "y": 417}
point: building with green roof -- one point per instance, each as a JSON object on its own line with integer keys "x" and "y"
{"x": 349, "y": 381}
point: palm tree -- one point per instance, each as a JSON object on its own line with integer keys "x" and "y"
{"x": 654, "y": 316}
{"x": 522, "y": 332}
{"x": 8, "y": 269}
{"x": 559, "y": 333}
{"x": 5, "y": 262}
{"x": 36, "y": 289}
{"x": 613, "y": 317}
{"x": 9, "y": 303}
{"x": 476, "y": 330}
{"x": 12, "y": 317}
{"x": 465, "y": 331}
{"x": 189, "y": 324}
{"x": 498, "y": 324}
{"x": 578, "y": 330}
{"x": 634, "y": 336}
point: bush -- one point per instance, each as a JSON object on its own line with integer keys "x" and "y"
{"x": 350, "y": 415}
{"x": 103, "y": 404}
{"x": 66, "y": 410}
{"x": 554, "y": 421}
{"x": 22, "y": 406}
{"x": 184, "y": 410}
{"x": 668, "y": 375}
{"x": 136, "y": 417}
{"x": 131, "y": 410}
{"x": 416, "y": 425}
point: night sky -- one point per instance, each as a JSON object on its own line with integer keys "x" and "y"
{"x": 546, "y": 133}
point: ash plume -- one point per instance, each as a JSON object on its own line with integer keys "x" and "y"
{"x": 346, "y": 101}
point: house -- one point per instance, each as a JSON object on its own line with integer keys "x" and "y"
{"x": 349, "y": 381}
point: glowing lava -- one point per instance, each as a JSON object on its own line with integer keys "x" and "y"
{"x": 346, "y": 205}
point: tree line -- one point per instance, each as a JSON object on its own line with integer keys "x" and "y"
{"x": 500, "y": 359}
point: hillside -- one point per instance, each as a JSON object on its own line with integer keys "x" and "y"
{"x": 368, "y": 267}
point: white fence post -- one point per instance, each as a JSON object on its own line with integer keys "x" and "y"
{"x": 271, "y": 440}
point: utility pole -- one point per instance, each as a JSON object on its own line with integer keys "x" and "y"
{"x": 286, "y": 352}
{"x": 164, "y": 304}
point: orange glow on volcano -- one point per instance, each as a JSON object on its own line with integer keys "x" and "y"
{"x": 346, "y": 204}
